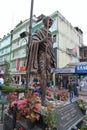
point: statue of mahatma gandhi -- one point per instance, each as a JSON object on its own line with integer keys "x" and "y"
{"x": 41, "y": 56}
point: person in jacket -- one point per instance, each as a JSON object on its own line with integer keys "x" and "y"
{"x": 71, "y": 91}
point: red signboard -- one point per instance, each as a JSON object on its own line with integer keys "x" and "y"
{"x": 17, "y": 64}
{"x": 22, "y": 68}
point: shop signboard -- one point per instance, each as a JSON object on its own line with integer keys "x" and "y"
{"x": 22, "y": 68}
{"x": 82, "y": 68}
{"x": 17, "y": 64}
{"x": 63, "y": 70}
{"x": 72, "y": 51}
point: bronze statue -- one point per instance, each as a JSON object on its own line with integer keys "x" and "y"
{"x": 41, "y": 56}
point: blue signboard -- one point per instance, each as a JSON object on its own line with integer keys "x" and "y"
{"x": 64, "y": 70}
{"x": 81, "y": 68}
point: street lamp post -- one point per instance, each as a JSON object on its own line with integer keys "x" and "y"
{"x": 29, "y": 41}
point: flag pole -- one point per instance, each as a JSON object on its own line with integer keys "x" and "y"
{"x": 29, "y": 41}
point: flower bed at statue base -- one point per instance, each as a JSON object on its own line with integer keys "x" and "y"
{"x": 30, "y": 108}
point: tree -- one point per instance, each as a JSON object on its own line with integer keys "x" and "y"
{"x": 7, "y": 76}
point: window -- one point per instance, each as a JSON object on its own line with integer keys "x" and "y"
{"x": 54, "y": 38}
{"x": 24, "y": 51}
{"x": 2, "y": 51}
{"x": 23, "y": 41}
{"x": 5, "y": 58}
{"x": 15, "y": 54}
{"x": 85, "y": 53}
{"x": 13, "y": 65}
{"x": 24, "y": 64}
{"x": 17, "y": 43}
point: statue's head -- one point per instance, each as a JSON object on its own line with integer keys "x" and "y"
{"x": 47, "y": 21}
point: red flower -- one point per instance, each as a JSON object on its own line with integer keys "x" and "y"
{"x": 36, "y": 106}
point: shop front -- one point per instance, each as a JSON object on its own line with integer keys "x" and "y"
{"x": 18, "y": 78}
{"x": 81, "y": 70}
{"x": 64, "y": 73}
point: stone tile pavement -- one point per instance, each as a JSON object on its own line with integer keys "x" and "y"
{"x": 83, "y": 93}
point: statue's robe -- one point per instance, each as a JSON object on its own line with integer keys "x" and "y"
{"x": 41, "y": 55}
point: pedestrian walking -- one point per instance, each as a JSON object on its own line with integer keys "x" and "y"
{"x": 71, "y": 90}
{"x": 75, "y": 88}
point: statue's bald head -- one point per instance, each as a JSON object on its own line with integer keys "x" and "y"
{"x": 47, "y": 21}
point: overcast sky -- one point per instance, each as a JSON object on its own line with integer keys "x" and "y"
{"x": 13, "y": 11}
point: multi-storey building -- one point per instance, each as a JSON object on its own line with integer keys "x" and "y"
{"x": 18, "y": 51}
{"x": 69, "y": 41}
{"x": 66, "y": 43}
{"x": 5, "y": 50}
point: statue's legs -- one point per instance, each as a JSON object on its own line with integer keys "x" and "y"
{"x": 43, "y": 82}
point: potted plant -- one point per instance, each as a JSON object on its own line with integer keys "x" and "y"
{"x": 32, "y": 106}
{"x": 63, "y": 95}
{"x": 50, "y": 119}
{"x": 85, "y": 119}
{"x": 12, "y": 96}
{"x": 82, "y": 104}
{"x": 21, "y": 105}
{"x": 28, "y": 106}
{"x": 84, "y": 127}
{"x": 57, "y": 94}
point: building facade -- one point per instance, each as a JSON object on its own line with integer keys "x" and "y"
{"x": 68, "y": 42}
{"x": 18, "y": 51}
{"x": 5, "y": 51}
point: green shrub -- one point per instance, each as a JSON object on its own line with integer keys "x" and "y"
{"x": 82, "y": 104}
{"x": 84, "y": 127}
{"x": 85, "y": 117}
{"x": 7, "y": 89}
{"x": 1, "y": 86}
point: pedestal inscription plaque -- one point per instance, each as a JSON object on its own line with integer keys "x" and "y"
{"x": 69, "y": 116}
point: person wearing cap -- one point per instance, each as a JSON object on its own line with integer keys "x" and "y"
{"x": 41, "y": 55}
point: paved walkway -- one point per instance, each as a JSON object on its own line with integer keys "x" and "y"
{"x": 83, "y": 93}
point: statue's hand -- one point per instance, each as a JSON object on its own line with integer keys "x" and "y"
{"x": 44, "y": 40}
{"x": 54, "y": 65}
